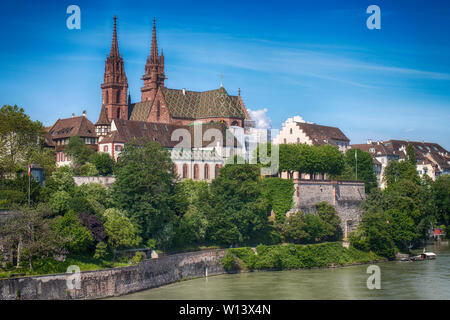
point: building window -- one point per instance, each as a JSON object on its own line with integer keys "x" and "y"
{"x": 118, "y": 97}
{"x": 235, "y": 123}
{"x": 216, "y": 171}
{"x": 118, "y": 148}
{"x": 196, "y": 172}
{"x": 185, "y": 171}
{"x": 291, "y": 130}
{"x": 284, "y": 140}
{"x": 107, "y": 97}
{"x": 105, "y": 148}
{"x": 206, "y": 171}
{"x": 298, "y": 140}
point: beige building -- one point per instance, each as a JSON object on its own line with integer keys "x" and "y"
{"x": 297, "y": 130}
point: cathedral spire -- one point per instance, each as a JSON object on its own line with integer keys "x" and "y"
{"x": 114, "y": 46}
{"x": 154, "y": 69}
{"x": 154, "y": 48}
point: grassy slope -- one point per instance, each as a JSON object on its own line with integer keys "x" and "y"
{"x": 290, "y": 256}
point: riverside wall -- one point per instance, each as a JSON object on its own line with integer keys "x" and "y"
{"x": 114, "y": 282}
{"x": 345, "y": 196}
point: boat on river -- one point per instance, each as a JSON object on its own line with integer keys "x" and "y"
{"x": 423, "y": 256}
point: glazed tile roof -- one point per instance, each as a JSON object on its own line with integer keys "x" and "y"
{"x": 195, "y": 105}
{"x": 322, "y": 134}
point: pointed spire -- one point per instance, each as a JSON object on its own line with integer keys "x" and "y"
{"x": 239, "y": 92}
{"x": 114, "y": 45}
{"x": 154, "y": 49}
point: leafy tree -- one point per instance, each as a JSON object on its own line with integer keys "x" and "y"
{"x": 28, "y": 233}
{"x": 77, "y": 239}
{"x": 193, "y": 223}
{"x": 94, "y": 225}
{"x": 329, "y": 160}
{"x": 294, "y": 228}
{"x": 145, "y": 188}
{"x": 441, "y": 199}
{"x": 402, "y": 228}
{"x": 79, "y": 151}
{"x": 60, "y": 202}
{"x": 120, "y": 232}
{"x": 19, "y": 136}
{"x": 14, "y": 192}
{"x": 365, "y": 168}
{"x": 411, "y": 154}
{"x": 45, "y": 158}
{"x": 88, "y": 170}
{"x": 398, "y": 170}
{"x": 61, "y": 180}
{"x": 240, "y": 210}
{"x": 328, "y": 214}
{"x": 288, "y": 161}
{"x": 103, "y": 162}
{"x": 374, "y": 234}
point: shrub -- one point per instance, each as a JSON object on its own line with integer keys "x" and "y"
{"x": 138, "y": 257}
{"x": 229, "y": 262}
{"x": 101, "y": 251}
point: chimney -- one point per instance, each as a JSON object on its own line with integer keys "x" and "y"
{"x": 73, "y": 115}
{"x": 369, "y": 141}
{"x": 184, "y": 91}
{"x": 84, "y": 113}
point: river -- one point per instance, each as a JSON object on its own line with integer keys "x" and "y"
{"x": 399, "y": 280}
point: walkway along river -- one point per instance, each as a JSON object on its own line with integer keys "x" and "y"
{"x": 399, "y": 280}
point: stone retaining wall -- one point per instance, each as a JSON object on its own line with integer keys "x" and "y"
{"x": 118, "y": 281}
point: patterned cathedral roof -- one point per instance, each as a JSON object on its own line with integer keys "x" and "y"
{"x": 194, "y": 105}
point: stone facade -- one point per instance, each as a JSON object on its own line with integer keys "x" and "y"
{"x": 345, "y": 196}
{"x": 118, "y": 281}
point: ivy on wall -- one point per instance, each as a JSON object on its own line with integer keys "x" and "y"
{"x": 279, "y": 193}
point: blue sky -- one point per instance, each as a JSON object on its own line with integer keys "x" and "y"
{"x": 316, "y": 59}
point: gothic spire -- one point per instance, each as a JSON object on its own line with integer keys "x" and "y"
{"x": 154, "y": 49}
{"x": 114, "y": 45}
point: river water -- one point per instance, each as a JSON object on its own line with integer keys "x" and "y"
{"x": 399, "y": 280}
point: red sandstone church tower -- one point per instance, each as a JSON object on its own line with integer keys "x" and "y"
{"x": 114, "y": 87}
{"x": 154, "y": 70}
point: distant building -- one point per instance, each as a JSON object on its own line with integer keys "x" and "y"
{"x": 296, "y": 130}
{"x": 431, "y": 158}
{"x": 58, "y": 135}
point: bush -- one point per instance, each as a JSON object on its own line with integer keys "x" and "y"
{"x": 138, "y": 257}
{"x": 229, "y": 262}
{"x": 101, "y": 251}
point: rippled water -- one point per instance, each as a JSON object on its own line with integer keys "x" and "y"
{"x": 399, "y": 280}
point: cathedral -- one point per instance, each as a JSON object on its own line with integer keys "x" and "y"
{"x": 160, "y": 104}
{"x": 158, "y": 114}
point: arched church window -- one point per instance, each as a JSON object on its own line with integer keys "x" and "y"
{"x": 196, "y": 172}
{"x": 107, "y": 97}
{"x": 206, "y": 171}
{"x": 216, "y": 171}
{"x": 185, "y": 171}
{"x": 118, "y": 97}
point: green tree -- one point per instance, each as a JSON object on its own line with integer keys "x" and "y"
{"x": 240, "y": 210}
{"x": 79, "y": 151}
{"x": 19, "y": 136}
{"x": 279, "y": 194}
{"x": 398, "y": 170}
{"x": 77, "y": 239}
{"x": 88, "y": 170}
{"x": 27, "y": 233}
{"x": 411, "y": 154}
{"x": 365, "y": 168}
{"x": 328, "y": 214}
{"x": 120, "y": 232}
{"x": 294, "y": 228}
{"x": 441, "y": 199}
{"x": 103, "y": 162}
{"x": 101, "y": 251}
{"x": 145, "y": 188}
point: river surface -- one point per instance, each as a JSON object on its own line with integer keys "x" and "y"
{"x": 399, "y": 280}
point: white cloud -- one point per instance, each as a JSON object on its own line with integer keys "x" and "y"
{"x": 262, "y": 121}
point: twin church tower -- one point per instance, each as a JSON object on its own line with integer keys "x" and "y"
{"x": 115, "y": 104}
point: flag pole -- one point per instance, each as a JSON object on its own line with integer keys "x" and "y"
{"x": 356, "y": 166}
{"x": 29, "y": 182}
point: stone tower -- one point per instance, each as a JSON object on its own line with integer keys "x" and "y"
{"x": 115, "y": 84}
{"x": 154, "y": 70}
